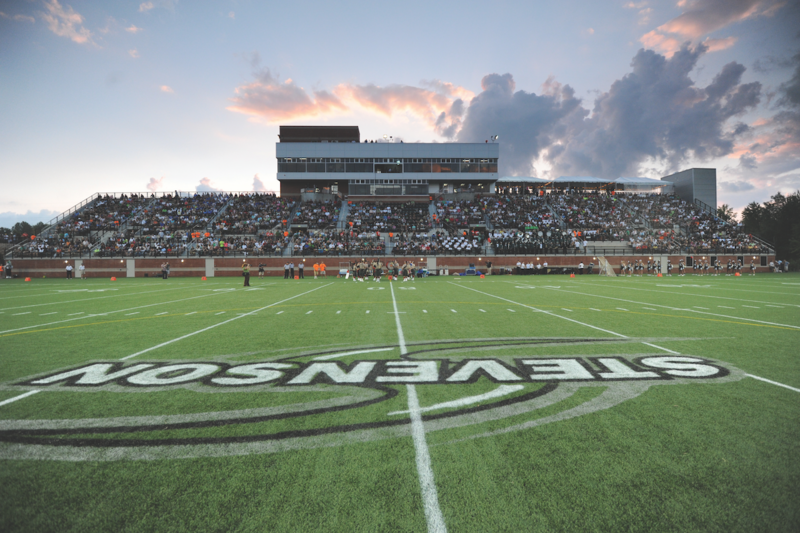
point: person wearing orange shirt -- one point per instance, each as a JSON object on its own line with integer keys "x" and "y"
{"x": 316, "y": 270}
{"x": 322, "y": 267}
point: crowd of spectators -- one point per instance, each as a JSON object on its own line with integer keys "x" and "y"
{"x": 335, "y": 243}
{"x": 318, "y": 214}
{"x": 546, "y": 241}
{"x": 598, "y": 216}
{"x": 171, "y": 213}
{"x": 389, "y": 217}
{"x": 106, "y": 213}
{"x": 460, "y": 214}
{"x": 521, "y": 212}
{"x": 249, "y": 214}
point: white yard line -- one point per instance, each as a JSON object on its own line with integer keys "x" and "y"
{"x": 53, "y": 313}
{"x": 542, "y": 311}
{"x": 73, "y": 314}
{"x": 279, "y": 312}
{"x": 220, "y": 313}
{"x": 343, "y": 354}
{"x": 21, "y": 396}
{"x": 776, "y": 306}
{"x": 159, "y": 314}
{"x": 502, "y": 390}
{"x": 726, "y": 307}
{"x": 681, "y": 309}
{"x": 481, "y": 310}
{"x": 512, "y": 310}
{"x": 430, "y": 499}
{"x": 453, "y": 310}
{"x": 89, "y": 299}
{"x": 690, "y": 294}
{"x": 108, "y": 313}
{"x": 649, "y": 308}
{"x": 220, "y": 324}
{"x": 760, "y": 379}
{"x": 192, "y": 313}
{"x": 751, "y": 306}
{"x": 563, "y": 309}
{"x": 338, "y": 312}
{"x": 25, "y": 313}
{"x": 310, "y": 312}
{"x": 134, "y": 313}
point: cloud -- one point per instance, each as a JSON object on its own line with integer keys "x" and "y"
{"x": 232, "y": 15}
{"x": 653, "y": 114}
{"x": 133, "y": 29}
{"x": 716, "y": 45}
{"x": 133, "y": 53}
{"x": 8, "y": 218}
{"x": 155, "y": 184}
{"x": 145, "y": 6}
{"x": 440, "y": 105}
{"x": 735, "y": 186}
{"x": 258, "y": 185}
{"x": 65, "y": 22}
{"x": 167, "y": 89}
{"x": 702, "y": 17}
{"x": 269, "y": 99}
{"x": 18, "y": 17}
{"x": 206, "y": 185}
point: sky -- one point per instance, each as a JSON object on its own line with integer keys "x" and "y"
{"x": 167, "y": 95}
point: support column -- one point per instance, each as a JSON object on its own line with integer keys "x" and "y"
{"x": 209, "y": 267}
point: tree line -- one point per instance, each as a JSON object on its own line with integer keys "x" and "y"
{"x": 777, "y": 222}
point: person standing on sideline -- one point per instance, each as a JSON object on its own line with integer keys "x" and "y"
{"x": 164, "y": 270}
{"x": 291, "y": 269}
{"x": 82, "y": 270}
{"x": 69, "y": 271}
{"x": 286, "y": 271}
{"x": 322, "y": 267}
{"x": 300, "y": 267}
{"x": 261, "y": 270}
{"x": 246, "y": 273}
{"x": 167, "y": 270}
{"x": 580, "y": 268}
{"x": 316, "y": 269}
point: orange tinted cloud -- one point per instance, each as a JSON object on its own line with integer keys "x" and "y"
{"x": 65, "y": 22}
{"x": 440, "y": 105}
{"x": 702, "y": 17}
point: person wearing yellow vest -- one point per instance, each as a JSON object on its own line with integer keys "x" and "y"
{"x": 246, "y": 273}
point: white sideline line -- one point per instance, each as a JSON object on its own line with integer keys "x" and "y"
{"x": 220, "y": 324}
{"x": 687, "y": 310}
{"x": 754, "y": 377}
{"x": 343, "y": 354}
{"x": 96, "y": 298}
{"x": 430, "y": 499}
{"x": 542, "y": 311}
{"x": 502, "y": 390}
{"x": 21, "y": 396}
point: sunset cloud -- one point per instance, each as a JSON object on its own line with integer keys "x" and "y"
{"x": 702, "y": 17}
{"x": 145, "y": 6}
{"x": 155, "y": 184}
{"x": 133, "y": 53}
{"x": 206, "y": 185}
{"x": 167, "y": 89}
{"x": 258, "y": 185}
{"x": 18, "y": 17}
{"x": 65, "y": 22}
{"x": 133, "y": 29}
{"x": 439, "y": 104}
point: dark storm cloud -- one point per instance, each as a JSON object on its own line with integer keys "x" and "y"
{"x": 526, "y": 122}
{"x": 654, "y": 112}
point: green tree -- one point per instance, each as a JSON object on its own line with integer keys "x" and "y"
{"x": 777, "y": 222}
{"x": 725, "y": 212}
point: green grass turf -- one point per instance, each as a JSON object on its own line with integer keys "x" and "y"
{"x": 685, "y": 455}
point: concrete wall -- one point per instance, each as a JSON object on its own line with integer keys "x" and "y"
{"x": 106, "y": 268}
{"x": 700, "y": 183}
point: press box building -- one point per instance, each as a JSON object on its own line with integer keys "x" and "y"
{"x": 334, "y": 159}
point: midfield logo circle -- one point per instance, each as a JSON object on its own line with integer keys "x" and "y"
{"x": 475, "y": 381}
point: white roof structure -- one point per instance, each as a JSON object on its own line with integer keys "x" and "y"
{"x": 582, "y": 179}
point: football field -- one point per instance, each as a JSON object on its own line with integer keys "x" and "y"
{"x": 511, "y": 403}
